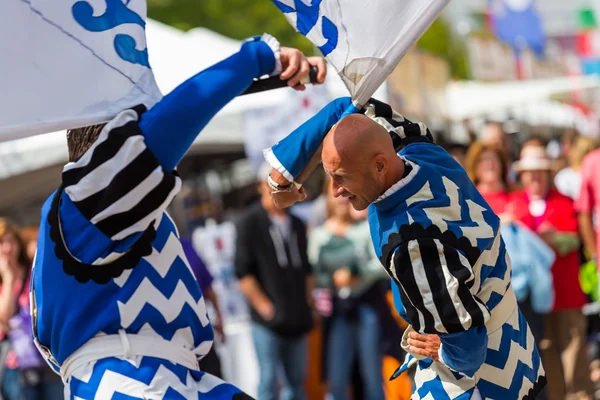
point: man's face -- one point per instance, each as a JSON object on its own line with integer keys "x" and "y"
{"x": 536, "y": 182}
{"x": 353, "y": 179}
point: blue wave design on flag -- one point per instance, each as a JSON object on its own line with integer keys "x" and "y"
{"x": 307, "y": 18}
{"x": 116, "y": 14}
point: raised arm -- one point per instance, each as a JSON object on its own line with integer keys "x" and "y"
{"x": 125, "y": 180}
{"x": 172, "y": 125}
{"x": 296, "y": 156}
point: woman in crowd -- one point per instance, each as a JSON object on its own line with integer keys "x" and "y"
{"x": 339, "y": 251}
{"x": 26, "y": 376}
{"x": 487, "y": 166}
{"x": 568, "y": 180}
{"x": 14, "y": 268}
{"x": 552, "y": 216}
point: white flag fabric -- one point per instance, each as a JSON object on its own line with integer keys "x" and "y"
{"x": 71, "y": 63}
{"x": 362, "y": 40}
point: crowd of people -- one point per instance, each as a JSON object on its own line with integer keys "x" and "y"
{"x": 546, "y": 206}
{"x": 298, "y": 276}
{"x": 24, "y": 375}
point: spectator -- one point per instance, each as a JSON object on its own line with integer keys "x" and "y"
{"x": 552, "y": 215}
{"x": 345, "y": 266}
{"x": 568, "y": 180}
{"x": 30, "y": 236}
{"x": 27, "y": 376}
{"x": 275, "y": 276}
{"x": 13, "y": 273}
{"x": 588, "y": 205}
{"x": 458, "y": 151}
{"x": 493, "y": 135}
{"x": 567, "y": 140}
{"x": 487, "y": 166}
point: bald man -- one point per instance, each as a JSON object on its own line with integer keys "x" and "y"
{"x": 438, "y": 240}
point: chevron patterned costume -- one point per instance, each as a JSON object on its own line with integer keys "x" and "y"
{"x": 440, "y": 243}
{"x": 116, "y": 308}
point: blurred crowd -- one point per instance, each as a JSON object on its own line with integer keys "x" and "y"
{"x": 321, "y": 312}
{"x": 24, "y": 375}
{"x": 546, "y": 206}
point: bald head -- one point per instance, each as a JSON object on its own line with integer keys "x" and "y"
{"x": 357, "y": 137}
{"x": 359, "y": 155}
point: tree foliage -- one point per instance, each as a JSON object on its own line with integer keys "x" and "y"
{"x": 239, "y": 19}
{"x": 439, "y": 39}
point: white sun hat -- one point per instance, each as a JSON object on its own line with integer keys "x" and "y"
{"x": 533, "y": 158}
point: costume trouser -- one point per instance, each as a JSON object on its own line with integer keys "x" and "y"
{"x": 273, "y": 351}
{"x": 563, "y": 352}
{"x": 146, "y": 378}
{"x": 348, "y": 337}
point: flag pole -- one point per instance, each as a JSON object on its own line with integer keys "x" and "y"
{"x": 274, "y": 82}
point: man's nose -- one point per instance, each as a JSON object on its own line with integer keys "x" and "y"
{"x": 337, "y": 190}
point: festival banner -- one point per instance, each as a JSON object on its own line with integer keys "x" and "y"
{"x": 71, "y": 63}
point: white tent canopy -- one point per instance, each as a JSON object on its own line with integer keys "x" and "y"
{"x": 467, "y": 99}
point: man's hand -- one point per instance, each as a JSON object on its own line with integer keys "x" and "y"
{"x": 286, "y": 199}
{"x": 296, "y": 66}
{"x": 424, "y": 345}
{"x": 266, "y": 310}
{"x": 342, "y": 278}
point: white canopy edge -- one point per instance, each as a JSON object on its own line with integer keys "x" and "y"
{"x": 475, "y": 99}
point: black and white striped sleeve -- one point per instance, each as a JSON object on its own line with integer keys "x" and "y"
{"x": 118, "y": 184}
{"x": 435, "y": 281}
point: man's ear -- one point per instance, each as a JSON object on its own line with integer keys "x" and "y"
{"x": 381, "y": 164}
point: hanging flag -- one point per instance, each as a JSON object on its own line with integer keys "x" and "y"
{"x": 363, "y": 41}
{"x": 517, "y": 23}
{"x": 71, "y": 63}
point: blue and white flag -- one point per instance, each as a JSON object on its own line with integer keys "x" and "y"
{"x": 71, "y": 63}
{"x": 362, "y": 40}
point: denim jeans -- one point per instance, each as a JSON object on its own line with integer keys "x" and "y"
{"x": 348, "y": 338}
{"x": 272, "y": 351}
{"x": 11, "y": 384}
{"x": 50, "y": 390}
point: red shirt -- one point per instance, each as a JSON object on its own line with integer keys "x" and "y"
{"x": 560, "y": 214}
{"x": 497, "y": 200}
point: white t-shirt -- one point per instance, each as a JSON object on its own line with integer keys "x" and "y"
{"x": 568, "y": 182}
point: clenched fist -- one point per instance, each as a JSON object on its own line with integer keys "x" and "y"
{"x": 424, "y": 345}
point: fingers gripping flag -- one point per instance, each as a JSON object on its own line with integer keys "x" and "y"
{"x": 71, "y": 63}
{"x": 362, "y": 40}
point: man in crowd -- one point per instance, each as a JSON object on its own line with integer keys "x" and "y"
{"x": 272, "y": 264}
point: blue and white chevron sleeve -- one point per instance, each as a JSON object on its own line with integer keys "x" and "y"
{"x": 434, "y": 282}
{"x": 118, "y": 184}
{"x": 172, "y": 125}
